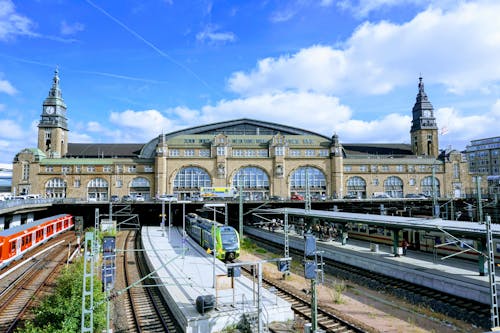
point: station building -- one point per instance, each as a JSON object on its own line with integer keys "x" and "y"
{"x": 262, "y": 158}
{"x": 483, "y": 156}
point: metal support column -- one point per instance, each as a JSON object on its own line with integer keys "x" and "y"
{"x": 259, "y": 296}
{"x": 88, "y": 284}
{"x": 226, "y": 215}
{"x": 308, "y": 193}
{"x": 287, "y": 245}
{"x": 491, "y": 270}
{"x": 314, "y": 307}
{"x": 479, "y": 200}
{"x": 240, "y": 217}
{"x": 163, "y": 217}
{"x": 395, "y": 242}
{"x": 435, "y": 206}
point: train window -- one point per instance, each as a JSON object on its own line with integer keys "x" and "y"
{"x": 388, "y": 233}
{"x": 362, "y": 228}
{"x": 12, "y": 246}
{"x": 498, "y": 247}
{"x": 228, "y": 237}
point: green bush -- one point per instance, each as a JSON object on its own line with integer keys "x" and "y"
{"x": 62, "y": 310}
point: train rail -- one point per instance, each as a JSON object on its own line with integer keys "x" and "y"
{"x": 21, "y": 289}
{"x": 301, "y": 306}
{"x": 144, "y": 306}
{"x": 463, "y": 309}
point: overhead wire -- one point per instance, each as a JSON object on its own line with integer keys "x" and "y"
{"x": 154, "y": 47}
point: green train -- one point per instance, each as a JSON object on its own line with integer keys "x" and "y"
{"x": 227, "y": 240}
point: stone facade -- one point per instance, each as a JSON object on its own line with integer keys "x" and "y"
{"x": 264, "y": 159}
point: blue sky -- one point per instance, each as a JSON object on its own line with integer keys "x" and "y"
{"x": 132, "y": 69}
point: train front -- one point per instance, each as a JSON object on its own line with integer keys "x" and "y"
{"x": 230, "y": 242}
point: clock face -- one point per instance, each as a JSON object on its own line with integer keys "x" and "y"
{"x": 427, "y": 113}
{"x": 49, "y": 109}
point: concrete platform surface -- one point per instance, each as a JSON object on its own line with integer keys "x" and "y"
{"x": 185, "y": 271}
{"x": 452, "y": 276}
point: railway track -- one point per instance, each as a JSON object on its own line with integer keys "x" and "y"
{"x": 301, "y": 306}
{"x": 463, "y": 309}
{"x": 21, "y": 289}
{"x": 144, "y": 307}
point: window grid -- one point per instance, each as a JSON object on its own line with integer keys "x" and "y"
{"x": 192, "y": 177}
{"x": 315, "y": 178}
{"x": 251, "y": 178}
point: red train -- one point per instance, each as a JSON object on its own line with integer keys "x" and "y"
{"x": 16, "y": 241}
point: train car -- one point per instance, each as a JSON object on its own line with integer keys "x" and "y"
{"x": 16, "y": 241}
{"x": 433, "y": 242}
{"x": 227, "y": 240}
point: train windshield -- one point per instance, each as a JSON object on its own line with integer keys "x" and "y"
{"x": 228, "y": 237}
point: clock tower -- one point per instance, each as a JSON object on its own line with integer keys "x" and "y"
{"x": 53, "y": 126}
{"x": 424, "y": 130}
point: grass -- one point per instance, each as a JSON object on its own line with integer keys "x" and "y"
{"x": 336, "y": 292}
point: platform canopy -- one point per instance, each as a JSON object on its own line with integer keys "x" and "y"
{"x": 457, "y": 228}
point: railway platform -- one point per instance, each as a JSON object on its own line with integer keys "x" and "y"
{"x": 452, "y": 276}
{"x": 185, "y": 272}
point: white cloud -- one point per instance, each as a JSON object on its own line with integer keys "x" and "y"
{"x": 311, "y": 111}
{"x": 392, "y": 128}
{"x": 12, "y": 23}
{"x": 463, "y": 128}
{"x": 458, "y": 48}
{"x": 70, "y": 29}
{"x": 136, "y": 126}
{"x": 6, "y": 87}
{"x": 362, "y": 8}
{"x": 76, "y": 137}
{"x": 211, "y": 35}
{"x": 9, "y": 129}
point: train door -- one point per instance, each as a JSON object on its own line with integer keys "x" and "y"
{"x": 18, "y": 246}
{"x": 416, "y": 240}
{"x": 406, "y": 235}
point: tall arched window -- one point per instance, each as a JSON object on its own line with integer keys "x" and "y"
{"x": 189, "y": 180}
{"x": 315, "y": 179}
{"x": 356, "y": 186}
{"x": 254, "y": 183}
{"x": 140, "y": 186}
{"x": 55, "y": 188}
{"x": 428, "y": 188}
{"x": 97, "y": 190}
{"x": 394, "y": 187}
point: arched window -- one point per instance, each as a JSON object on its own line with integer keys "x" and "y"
{"x": 356, "y": 186}
{"x": 55, "y": 188}
{"x": 427, "y": 187}
{"x": 97, "y": 190}
{"x": 394, "y": 187}
{"x": 254, "y": 181}
{"x": 315, "y": 179}
{"x": 140, "y": 186}
{"x": 189, "y": 180}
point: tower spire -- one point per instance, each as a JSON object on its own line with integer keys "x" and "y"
{"x": 424, "y": 127}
